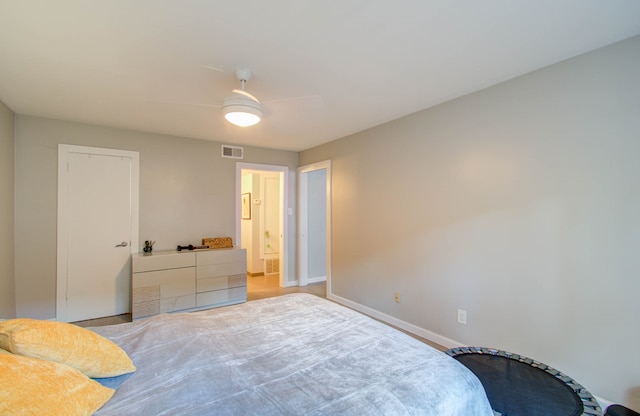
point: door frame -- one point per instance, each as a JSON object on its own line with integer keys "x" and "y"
{"x": 303, "y": 220}
{"x": 284, "y": 214}
{"x": 64, "y": 150}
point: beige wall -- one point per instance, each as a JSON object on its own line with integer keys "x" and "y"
{"x": 187, "y": 191}
{"x": 7, "y": 288}
{"x": 518, "y": 204}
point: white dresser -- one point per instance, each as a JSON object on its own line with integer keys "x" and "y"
{"x": 169, "y": 281}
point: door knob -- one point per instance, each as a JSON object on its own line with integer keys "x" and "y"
{"x": 123, "y": 244}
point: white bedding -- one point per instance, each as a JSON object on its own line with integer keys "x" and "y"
{"x": 296, "y": 354}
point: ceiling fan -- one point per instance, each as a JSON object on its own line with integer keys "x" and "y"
{"x": 244, "y": 109}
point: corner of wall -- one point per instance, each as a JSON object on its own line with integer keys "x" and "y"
{"x": 7, "y": 213}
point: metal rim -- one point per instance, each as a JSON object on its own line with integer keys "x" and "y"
{"x": 590, "y": 406}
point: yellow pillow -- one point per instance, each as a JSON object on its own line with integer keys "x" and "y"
{"x": 30, "y": 386}
{"x": 77, "y": 347}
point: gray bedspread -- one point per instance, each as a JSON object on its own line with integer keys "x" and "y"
{"x": 295, "y": 354}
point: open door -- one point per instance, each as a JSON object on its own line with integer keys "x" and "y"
{"x": 262, "y": 216}
{"x": 314, "y": 226}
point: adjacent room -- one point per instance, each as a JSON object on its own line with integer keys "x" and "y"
{"x": 466, "y": 173}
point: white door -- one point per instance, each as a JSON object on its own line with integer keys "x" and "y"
{"x": 97, "y": 231}
{"x": 314, "y": 227}
{"x": 270, "y": 216}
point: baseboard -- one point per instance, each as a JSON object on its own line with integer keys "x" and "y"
{"x": 414, "y": 329}
{"x": 421, "y": 332}
{"x": 290, "y": 284}
{"x": 313, "y": 280}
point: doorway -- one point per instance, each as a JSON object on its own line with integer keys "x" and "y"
{"x": 97, "y": 231}
{"x": 314, "y": 229}
{"x": 261, "y": 224}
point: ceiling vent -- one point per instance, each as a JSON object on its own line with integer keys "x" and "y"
{"x": 232, "y": 152}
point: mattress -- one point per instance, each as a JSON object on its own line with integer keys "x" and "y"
{"x": 296, "y": 354}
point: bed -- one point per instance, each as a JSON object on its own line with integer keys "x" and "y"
{"x": 290, "y": 355}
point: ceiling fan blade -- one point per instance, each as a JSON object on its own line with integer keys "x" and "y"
{"x": 212, "y": 68}
{"x": 246, "y": 94}
{"x": 189, "y": 103}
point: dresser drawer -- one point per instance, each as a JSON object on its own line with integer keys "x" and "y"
{"x": 145, "y": 263}
{"x": 173, "y": 282}
{"x": 145, "y": 293}
{"x": 178, "y": 303}
{"x": 229, "y": 255}
{"x": 142, "y": 309}
{"x": 233, "y": 295}
{"x": 218, "y": 283}
{"x": 222, "y": 269}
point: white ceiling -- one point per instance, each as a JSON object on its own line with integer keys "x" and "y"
{"x": 352, "y": 64}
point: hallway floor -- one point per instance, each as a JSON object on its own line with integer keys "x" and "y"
{"x": 260, "y": 287}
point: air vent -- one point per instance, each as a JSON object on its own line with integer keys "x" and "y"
{"x": 232, "y": 152}
{"x": 271, "y": 266}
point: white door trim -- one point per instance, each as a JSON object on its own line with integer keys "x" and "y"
{"x": 284, "y": 186}
{"x": 64, "y": 150}
{"x": 303, "y": 220}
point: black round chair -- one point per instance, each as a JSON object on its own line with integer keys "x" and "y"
{"x": 517, "y": 385}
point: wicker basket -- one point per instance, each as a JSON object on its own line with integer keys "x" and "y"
{"x": 218, "y": 242}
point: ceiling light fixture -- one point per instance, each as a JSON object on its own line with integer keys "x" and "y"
{"x": 242, "y": 108}
{"x": 242, "y": 111}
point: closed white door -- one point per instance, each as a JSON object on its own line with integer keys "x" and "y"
{"x": 96, "y": 232}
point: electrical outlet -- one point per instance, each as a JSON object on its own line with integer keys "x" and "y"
{"x": 462, "y": 316}
{"x": 396, "y": 297}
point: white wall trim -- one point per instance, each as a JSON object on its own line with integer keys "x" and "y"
{"x": 303, "y": 225}
{"x": 293, "y": 283}
{"x": 414, "y": 329}
{"x": 317, "y": 279}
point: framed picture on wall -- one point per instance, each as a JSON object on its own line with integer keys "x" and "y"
{"x": 246, "y": 206}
